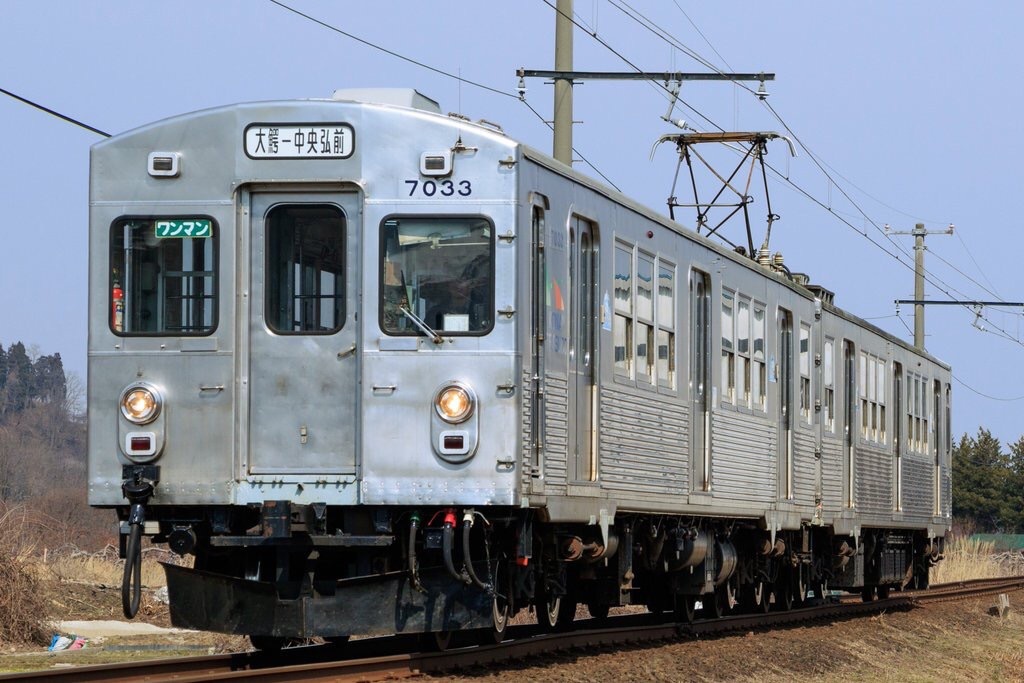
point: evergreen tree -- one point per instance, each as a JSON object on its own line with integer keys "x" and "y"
{"x": 1014, "y": 490}
{"x": 980, "y": 473}
{"x": 19, "y": 386}
{"x": 50, "y": 382}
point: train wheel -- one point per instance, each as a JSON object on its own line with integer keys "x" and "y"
{"x": 501, "y": 609}
{"x": 819, "y": 589}
{"x": 715, "y": 605}
{"x": 685, "y": 608}
{"x": 597, "y": 611}
{"x": 268, "y": 643}
{"x": 883, "y": 592}
{"x": 784, "y": 595}
{"x": 439, "y": 640}
{"x": 548, "y": 608}
{"x": 566, "y": 614}
{"x": 500, "y": 616}
{"x": 867, "y": 593}
{"x": 762, "y": 597}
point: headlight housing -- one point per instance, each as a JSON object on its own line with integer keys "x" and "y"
{"x": 141, "y": 403}
{"x": 455, "y": 402}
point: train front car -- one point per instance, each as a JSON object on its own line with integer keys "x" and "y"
{"x": 302, "y": 314}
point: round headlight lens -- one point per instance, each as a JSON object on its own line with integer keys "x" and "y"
{"x": 454, "y": 403}
{"x": 140, "y": 404}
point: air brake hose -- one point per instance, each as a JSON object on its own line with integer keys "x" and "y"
{"x": 414, "y": 573}
{"x": 131, "y": 582}
{"x": 447, "y": 546}
{"x": 138, "y": 490}
{"x": 467, "y": 526}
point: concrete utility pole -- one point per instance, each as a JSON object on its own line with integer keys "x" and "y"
{"x": 564, "y": 77}
{"x": 563, "y": 86}
{"x": 919, "y": 234}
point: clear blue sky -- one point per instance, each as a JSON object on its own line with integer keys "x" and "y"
{"x": 914, "y": 107}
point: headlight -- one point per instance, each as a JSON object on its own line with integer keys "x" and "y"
{"x": 454, "y": 403}
{"x": 141, "y": 403}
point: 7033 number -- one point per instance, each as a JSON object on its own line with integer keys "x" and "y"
{"x": 444, "y": 188}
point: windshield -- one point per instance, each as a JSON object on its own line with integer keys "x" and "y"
{"x": 163, "y": 276}
{"x": 441, "y": 269}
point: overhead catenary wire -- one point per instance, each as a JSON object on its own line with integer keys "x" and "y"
{"x": 442, "y": 72}
{"x": 385, "y": 50}
{"x": 984, "y": 395}
{"x": 933, "y": 279}
{"x": 52, "y": 112}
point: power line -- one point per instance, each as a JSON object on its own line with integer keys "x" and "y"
{"x": 980, "y": 269}
{"x": 575, "y": 151}
{"x": 55, "y": 113}
{"x": 674, "y": 42}
{"x": 437, "y": 71}
{"x": 392, "y": 52}
{"x": 983, "y": 395}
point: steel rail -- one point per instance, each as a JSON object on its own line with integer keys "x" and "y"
{"x": 316, "y": 663}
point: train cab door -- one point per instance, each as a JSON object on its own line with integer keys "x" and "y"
{"x": 583, "y": 281}
{"x": 302, "y": 362}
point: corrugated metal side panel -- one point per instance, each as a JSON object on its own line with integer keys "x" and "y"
{"x": 743, "y": 457}
{"x": 947, "y": 494}
{"x": 527, "y": 397}
{"x": 556, "y": 431}
{"x": 918, "y": 496}
{"x": 803, "y": 467}
{"x": 832, "y": 474}
{"x": 644, "y": 443}
{"x": 872, "y": 470}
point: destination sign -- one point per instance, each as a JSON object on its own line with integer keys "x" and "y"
{"x": 182, "y": 228}
{"x": 299, "y": 141}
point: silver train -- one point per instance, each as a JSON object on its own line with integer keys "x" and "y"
{"x": 381, "y": 370}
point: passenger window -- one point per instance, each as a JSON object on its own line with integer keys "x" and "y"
{"x": 305, "y": 284}
{"x": 759, "y": 377}
{"x": 645, "y": 359}
{"x": 666, "y": 325}
{"x": 438, "y": 273}
{"x": 622, "y": 326}
{"x": 805, "y": 373}
{"x": 829, "y": 375}
{"x": 728, "y": 350}
{"x": 163, "y": 276}
{"x": 873, "y": 398}
{"x": 743, "y": 382}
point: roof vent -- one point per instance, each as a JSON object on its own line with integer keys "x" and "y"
{"x": 826, "y": 295}
{"x": 399, "y": 97}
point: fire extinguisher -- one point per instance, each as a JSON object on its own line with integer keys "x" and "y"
{"x": 117, "y": 310}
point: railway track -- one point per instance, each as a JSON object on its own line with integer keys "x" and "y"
{"x": 401, "y": 656}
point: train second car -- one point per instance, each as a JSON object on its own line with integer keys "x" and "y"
{"x": 380, "y": 370}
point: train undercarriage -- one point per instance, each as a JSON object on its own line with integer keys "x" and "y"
{"x": 281, "y": 571}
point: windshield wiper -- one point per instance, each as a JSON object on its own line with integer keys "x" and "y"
{"x": 424, "y": 327}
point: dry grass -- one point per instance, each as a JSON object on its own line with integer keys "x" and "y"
{"x": 24, "y": 614}
{"x": 967, "y": 559}
{"x": 70, "y": 565}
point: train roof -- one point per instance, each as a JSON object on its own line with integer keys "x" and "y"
{"x": 549, "y": 162}
{"x": 425, "y": 108}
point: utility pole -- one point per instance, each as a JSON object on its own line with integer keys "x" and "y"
{"x": 919, "y": 234}
{"x": 563, "y": 86}
{"x": 564, "y": 76}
